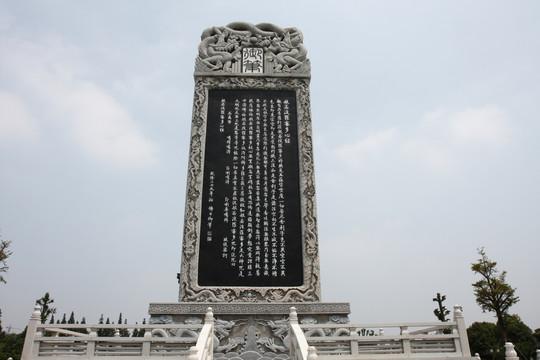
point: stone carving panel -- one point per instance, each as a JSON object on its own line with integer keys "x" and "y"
{"x": 242, "y": 47}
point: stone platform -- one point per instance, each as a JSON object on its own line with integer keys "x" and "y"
{"x": 250, "y": 330}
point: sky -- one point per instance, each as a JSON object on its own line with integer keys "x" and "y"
{"x": 425, "y": 122}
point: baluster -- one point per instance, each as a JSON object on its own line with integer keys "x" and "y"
{"x": 146, "y": 342}
{"x": 464, "y": 348}
{"x": 406, "y": 341}
{"x": 91, "y": 345}
{"x": 354, "y": 343}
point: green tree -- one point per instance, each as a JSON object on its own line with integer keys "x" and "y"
{"x": 123, "y": 332}
{"x": 83, "y": 329}
{"x": 492, "y": 292}
{"x": 46, "y": 309}
{"x": 72, "y": 321}
{"x": 536, "y": 335}
{"x": 4, "y": 254}
{"x": 139, "y": 332}
{"x": 11, "y": 345}
{"x": 441, "y": 311}
{"x": 521, "y": 336}
{"x": 484, "y": 340}
{"x": 71, "y": 318}
{"x": 105, "y": 332}
{"x": 101, "y": 332}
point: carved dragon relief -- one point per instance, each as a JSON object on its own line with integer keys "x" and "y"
{"x": 220, "y": 50}
{"x": 189, "y": 289}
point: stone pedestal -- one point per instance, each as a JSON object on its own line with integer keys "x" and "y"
{"x": 250, "y": 330}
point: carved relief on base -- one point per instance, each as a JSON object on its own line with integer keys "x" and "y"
{"x": 252, "y": 337}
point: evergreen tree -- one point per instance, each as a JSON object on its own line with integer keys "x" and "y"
{"x": 441, "y": 312}
{"x": 108, "y": 332}
{"x": 82, "y": 330}
{"x": 139, "y": 332}
{"x": 46, "y": 309}
{"x": 123, "y": 332}
{"x": 101, "y": 332}
{"x": 64, "y": 321}
{"x": 52, "y": 320}
{"x": 71, "y": 318}
{"x": 492, "y": 292}
{"x": 135, "y": 332}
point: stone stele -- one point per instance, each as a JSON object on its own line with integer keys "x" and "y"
{"x": 250, "y": 247}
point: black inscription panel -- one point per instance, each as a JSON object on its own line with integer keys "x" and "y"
{"x": 251, "y": 231}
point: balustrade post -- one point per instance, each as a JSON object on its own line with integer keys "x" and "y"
{"x": 299, "y": 346}
{"x": 147, "y": 339}
{"x": 405, "y": 340}
{"x": 312, "y": 353}
{"x": 293, "y": 316}
{"x": 31, "y": 346}
{"x": 91, "y": 345}
{"x": 293, "y": 320}
{"x": 354, "y": 343}
{"x": 208, "y": 348}
{"x": 192, "y": 353}
{"x": 462, "y": 331}
{"x": 209, "y": 316}
{"x": 510, "y": 353}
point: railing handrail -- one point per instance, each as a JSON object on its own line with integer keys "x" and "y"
{"x": 63, "y": 341}
{"x": 379, "y": 338}
{"x": 418, "y": 339}
{"x": 118, "y": 326}
{"x": 441, "y": 325}
{"x": 114, "y": 339}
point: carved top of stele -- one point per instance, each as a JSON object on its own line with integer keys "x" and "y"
{"x": 242, "y": 48}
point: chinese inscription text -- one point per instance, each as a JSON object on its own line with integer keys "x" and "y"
{"x": 251, "y": 224}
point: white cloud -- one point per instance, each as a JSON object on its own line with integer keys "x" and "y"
{"x": 16, "y": 123}
{"x": 354, "y": 154}
{"x": 434, "y": 154}
{"x": 105, "y": 130}
{"x": 50, "y": 72}
{"x": 6, "y": 17}
{"x": 486, "y": 126}
{"x": 449, "y": 138}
